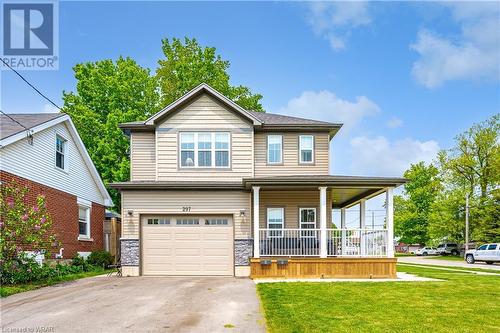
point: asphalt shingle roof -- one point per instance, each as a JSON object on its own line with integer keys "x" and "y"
{"x": 8, "y": 127}
{"x": 278, "y": 119}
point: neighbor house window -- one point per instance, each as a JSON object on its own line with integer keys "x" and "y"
{"x": 60, "y": 152}
{"x": 84, "y": 221}
{"x": 274, "y": 149}
{"x": 204, "y": 150}
{"x": 275, "y": 220}
{"x": 307, "y": 218}
{"x": 306, "y": 148}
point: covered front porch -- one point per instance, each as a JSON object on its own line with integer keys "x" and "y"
{"x": 300, "y": 227}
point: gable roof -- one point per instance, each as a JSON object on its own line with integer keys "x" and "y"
{"x": 202, "y": 88}
{"x": 37, "y": 122}
{"x": 9, "y": 127}
{"x": 260, "y": 120}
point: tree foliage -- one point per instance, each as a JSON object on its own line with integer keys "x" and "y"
{"x": 109, "y": 93}
{"x": 470, "y": 168}
{"x": 412, "y": 210}
{"x": 188, "y": 64}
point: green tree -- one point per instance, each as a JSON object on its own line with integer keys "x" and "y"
{"x": 188, "y": 64}
{"x": 411, "y": 213}
{"x": 109, "y": 93}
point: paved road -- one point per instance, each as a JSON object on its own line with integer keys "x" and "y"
{"x": 142, "y": 304}
{"x": 448, "y": 263}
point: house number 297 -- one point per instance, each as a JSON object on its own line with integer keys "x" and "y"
{"x": 186, "y": 208}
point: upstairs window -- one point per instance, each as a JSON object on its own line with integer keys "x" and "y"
{"x": 204, "y": 150}
{"x": 274, "y": 149}
{"x": 60, "y": 152}
{"x": 306, "y": 148}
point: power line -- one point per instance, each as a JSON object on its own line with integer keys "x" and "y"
{"x": 26, "y": 128}
{"x": 31, "y": 85}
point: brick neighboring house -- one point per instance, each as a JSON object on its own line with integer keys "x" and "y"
{"x": 48, "y": 156}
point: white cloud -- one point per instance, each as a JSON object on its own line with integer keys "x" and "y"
{"x": 473, "y": 55}
{"x": 325, "y": 105}
{"x": 378, "y": 156}
{"x": 49, "y": 108}
{"x": 394, "y": 122}
{"x": 334, "y": 20}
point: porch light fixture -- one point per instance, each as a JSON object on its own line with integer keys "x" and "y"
{"x": 243, "y": 212}
{"x": 130, "y": 212}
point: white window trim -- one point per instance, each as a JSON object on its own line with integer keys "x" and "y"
{"x": 65, "y": 153}
{"x": 270, "y": 231}
{"x": 312, "y": 149}
{"x": 213, "y": 150}
{"x": 281, "y": 151}
{"x": 302, "y": 223}
{"x": 88, "y": 205}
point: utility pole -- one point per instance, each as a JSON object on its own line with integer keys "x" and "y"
{"x": 467, "y": 222}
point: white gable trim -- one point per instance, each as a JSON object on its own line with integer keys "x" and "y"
{"x": 78, "y": 142}
{"x": 151, "y": 120}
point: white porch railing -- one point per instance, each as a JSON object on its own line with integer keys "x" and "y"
{"x": 339, "y": 242}
{"x": 289, "y": 242}
{"x": 357, "y": 242}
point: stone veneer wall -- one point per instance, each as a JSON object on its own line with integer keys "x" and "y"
{"x": 130, "y": 252}
{"x": 243, "y": 251}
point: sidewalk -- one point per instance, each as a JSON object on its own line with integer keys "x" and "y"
{"x": 446, "y": 263}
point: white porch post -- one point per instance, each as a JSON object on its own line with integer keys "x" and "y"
{"x": 344, "y": 233}
{"x": 256, "y": 231}
{"x": 362, "y": 225}
{"x": 322, "y": 222}
{"x": 390, "y": 222}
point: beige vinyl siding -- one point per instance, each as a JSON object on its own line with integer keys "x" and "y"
{"x": 291, "y": 165}
{"x": 205, "y": 114}
{"x": 172, "y": 202}
{"x": 142, "y": 156}
{"x": 292, "y": 201}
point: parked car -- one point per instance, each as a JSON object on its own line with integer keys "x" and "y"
{"x": 489, "y": 253}
{"x": 448, "y": 248}
{"x": 426, "y": 251}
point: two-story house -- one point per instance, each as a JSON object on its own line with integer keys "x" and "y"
{"x": 43, "y": 152}
{"x": 219, "y": 190}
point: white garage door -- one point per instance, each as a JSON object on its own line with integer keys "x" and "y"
{"x": 187, "y": 245}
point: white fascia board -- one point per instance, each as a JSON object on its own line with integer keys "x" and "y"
{"x": 22, "y": 135}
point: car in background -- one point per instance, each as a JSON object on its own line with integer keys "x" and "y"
{"x": 426, "y": 251}
{"x": 488, "y": 253}
{"x": 448, "y": 248}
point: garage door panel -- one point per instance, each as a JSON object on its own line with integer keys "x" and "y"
{"x": 201, "y": 249}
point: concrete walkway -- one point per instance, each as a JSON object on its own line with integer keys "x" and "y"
{"x": 142, "y": 304}
{"x": 447, "y": 263}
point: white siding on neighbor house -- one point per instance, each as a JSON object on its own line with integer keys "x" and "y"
{"x": 204, "y": 114}
{"x": 291, "y": 165}
{"x": 37, "y": 163}
{"x": 142, "y": 156}
{"x": 172, "y": 203}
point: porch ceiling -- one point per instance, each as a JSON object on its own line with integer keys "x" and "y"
{"x": 345, "y": 190}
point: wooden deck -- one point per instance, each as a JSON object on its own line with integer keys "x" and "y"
{"x": 366, "y": 268}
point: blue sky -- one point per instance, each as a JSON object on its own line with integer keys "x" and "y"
{"x": 405, "y": 78}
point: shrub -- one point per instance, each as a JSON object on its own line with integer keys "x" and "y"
{"x": 23, "y": 226}
{"x": 100, "y": 259}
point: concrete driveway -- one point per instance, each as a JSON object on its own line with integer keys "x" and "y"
{"x": 447, "y": 263}
{"x": 142, "y": 304}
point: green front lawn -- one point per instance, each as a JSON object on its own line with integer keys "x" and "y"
{"x": 454, "y": 258}
{"x": 7, "y": 290}
{"x": 464, "y": 302}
